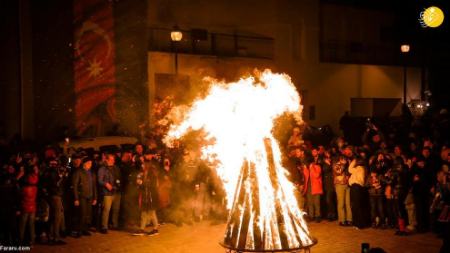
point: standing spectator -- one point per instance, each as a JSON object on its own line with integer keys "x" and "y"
{"x": 130, "y": 197}
{"x": 85, "y": 194}
{"x": 342, "y": 192}
{"x": 357, "y": 192}
{"x": 376, "y": 193}
{"x": 410, "y": 201}
{"x": 55, "y": 180}
{"x": 74, "y": 164}
{"x": 148, "y": 198}
{"x": 313, "y": 189}
{"x": 400, "y": 190}
{"x": 109, "y": 182}
{"x": 98, "y": 160}
{"x": 330, "y": 193}
{"x": 296, "y": 168}
{"x": 421, "y": 186}
{"x": 29, "y": 179}
{"x": 391, "y": 205}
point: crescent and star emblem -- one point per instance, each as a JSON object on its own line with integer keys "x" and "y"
{"x": 95, "y": 65}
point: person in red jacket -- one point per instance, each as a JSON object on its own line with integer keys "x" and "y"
{"x": 313, "y": 189}
{"x": 29, "y": 179}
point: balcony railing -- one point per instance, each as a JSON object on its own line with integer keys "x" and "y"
{"x": 215, "y": 44}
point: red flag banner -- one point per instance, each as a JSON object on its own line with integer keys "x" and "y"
{"x": 94, "y": 68}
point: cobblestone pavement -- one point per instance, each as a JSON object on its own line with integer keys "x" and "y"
{"x": 203, "y": 238}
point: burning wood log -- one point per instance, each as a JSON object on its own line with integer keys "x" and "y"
{"x": 243, "y": 232}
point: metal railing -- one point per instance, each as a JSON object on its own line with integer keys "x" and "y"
{"x": 216, "y": 44}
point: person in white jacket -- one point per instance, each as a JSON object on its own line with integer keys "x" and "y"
{"x": 358, "y": 193}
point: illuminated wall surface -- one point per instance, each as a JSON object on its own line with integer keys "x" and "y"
{"x": 94, "y": 68}
{"x": 319, "y": 46}
{"x": 51, "y": 89}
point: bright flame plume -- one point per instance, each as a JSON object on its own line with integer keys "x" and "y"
{"x": 237, "y": 119}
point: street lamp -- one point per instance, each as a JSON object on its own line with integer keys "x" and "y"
{"x": 176, "y": 35}
{"x": 405, "y": 50}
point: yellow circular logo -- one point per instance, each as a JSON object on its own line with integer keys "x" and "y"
{"x": 432, "y": 17}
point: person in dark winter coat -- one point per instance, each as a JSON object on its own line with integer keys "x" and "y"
{"x": 109, "y": 180}
{"x": 71, "y": 224}
{"x": 328, "y": 185}
{"x": 296, "y": 166}
{"x": 85, "y": 194}
{"x": 56, "y": 178}
{"x": 421, "y": 175}
{"x": 399, "y": 186}
{"x": 129, "y": 209}
{"x": 376, "y": 193}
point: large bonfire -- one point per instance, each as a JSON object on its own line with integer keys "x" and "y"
{"x": 237, "y": 119}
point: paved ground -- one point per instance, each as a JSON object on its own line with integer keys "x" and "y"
{"x": 204, "y": 238}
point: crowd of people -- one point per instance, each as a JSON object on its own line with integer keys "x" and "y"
{"x": 385, "y": 183}
{"x": 393, "y": 179}
{"x": 53, "y": 194}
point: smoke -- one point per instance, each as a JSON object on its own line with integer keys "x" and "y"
{"x": 197, "y": 192}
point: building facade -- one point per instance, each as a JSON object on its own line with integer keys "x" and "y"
{"x": 333, "y": 52}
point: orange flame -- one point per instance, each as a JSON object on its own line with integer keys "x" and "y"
{"x": 238, "y": 118}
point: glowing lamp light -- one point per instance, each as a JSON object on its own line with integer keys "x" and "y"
{"x": 176, "y": 34}
{"x": 405, "y": 48}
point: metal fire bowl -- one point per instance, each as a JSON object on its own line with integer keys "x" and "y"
{"x": 307, "y": 248}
